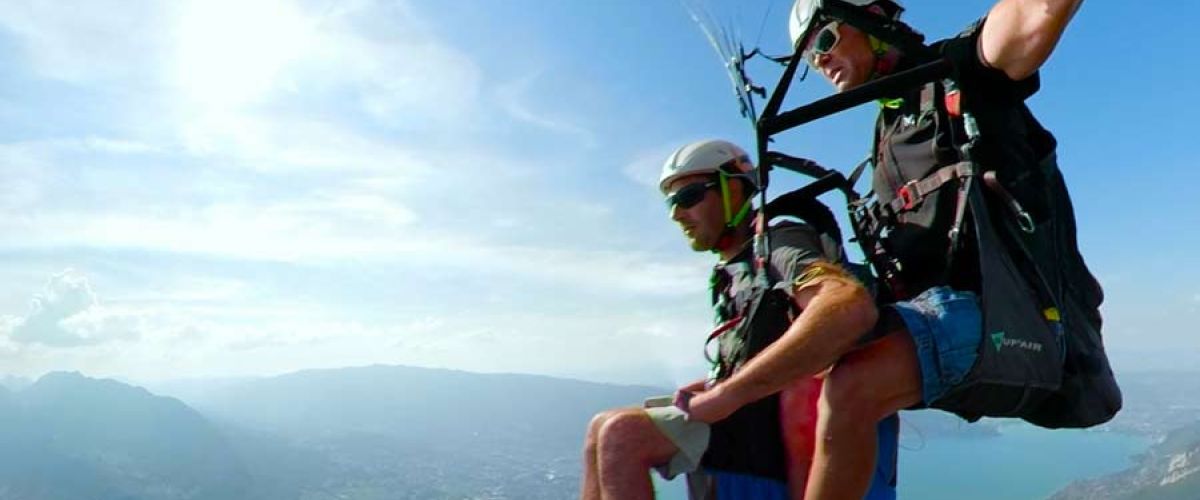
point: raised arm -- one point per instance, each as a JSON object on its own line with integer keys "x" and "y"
{"x": 1019, "y": 35}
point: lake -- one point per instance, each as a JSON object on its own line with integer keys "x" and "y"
{"x": 1024, "y": 462}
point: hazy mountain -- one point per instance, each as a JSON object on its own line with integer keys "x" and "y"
{"x": 14, "y": 383}
{"x": 374, "y": 432}
{"x": 1157, "y": 402}
{"x": 6, "y": 403}
{"x": 443, "y": 433}
{"x": 1169, "y": 470}
{"x": 401, "y": 432}
{"x": 68, "y": 436}
{"x": 418, "y": 404}
{"x": 444, "y": 406}
{"x": 1162, "y": 405}
{"x": 358, "y": 433}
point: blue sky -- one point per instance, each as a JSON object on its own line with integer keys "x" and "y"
{"x": 213, "y": 188}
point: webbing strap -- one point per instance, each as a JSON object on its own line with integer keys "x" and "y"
{"x": 910, "y": 195}
{"x": 927, "y": 97}
{"x": 857, "y": 172}
{"x": 1023, "y": 218}
{"x": 960, "y": 212}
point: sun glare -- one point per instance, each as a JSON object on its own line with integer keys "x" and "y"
{"x": 230, "y": 52}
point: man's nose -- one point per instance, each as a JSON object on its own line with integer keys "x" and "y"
{"x": 819, "y": 61}
{"x": 677, "y": 212}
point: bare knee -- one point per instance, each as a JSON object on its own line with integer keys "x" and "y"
{"x": 873, "y": 382}
{"x": 630, "y": 435}
{"x": 591, "y": 441}
{"x": 845, "y": 397}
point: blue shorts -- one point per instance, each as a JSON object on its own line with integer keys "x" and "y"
{"x": 947, "y": 326}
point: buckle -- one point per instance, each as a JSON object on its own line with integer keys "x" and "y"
{"x": 906, "y": 193}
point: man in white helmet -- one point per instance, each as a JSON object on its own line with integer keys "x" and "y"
{"x": 763, "y": 448}
{"x": 930, "y": 337}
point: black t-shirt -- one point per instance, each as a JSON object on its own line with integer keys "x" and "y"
{"x": 793, "y": 247}
{"x": 913, "y": 141}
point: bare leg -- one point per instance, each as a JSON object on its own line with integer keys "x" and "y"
{"x": 590, "y": 488}
{"x": 865, "y": 386}
{"x": 629, "y": 446}
{"x": 798, "y": 417}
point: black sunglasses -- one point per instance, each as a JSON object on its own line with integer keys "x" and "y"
{"x": 690, "y": 195}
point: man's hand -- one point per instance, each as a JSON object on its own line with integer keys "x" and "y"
{"x": 697, "y": 386}
{"x": 683, "y": 395}
{"x": 711, "y": 405}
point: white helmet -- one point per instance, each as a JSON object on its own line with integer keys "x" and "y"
{"x": 803, "y": 11}
{"x": 706, "y": 157}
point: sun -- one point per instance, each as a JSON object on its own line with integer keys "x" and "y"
{"x": 231, "y": 52}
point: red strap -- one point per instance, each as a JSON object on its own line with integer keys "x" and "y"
{"x": 722, "y": 328}
{"x": 954, "y": 103}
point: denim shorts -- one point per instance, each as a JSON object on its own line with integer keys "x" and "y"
{"x": 946, "y": 325}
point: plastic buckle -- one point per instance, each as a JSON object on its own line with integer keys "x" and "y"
{"x": 906, "y": 193}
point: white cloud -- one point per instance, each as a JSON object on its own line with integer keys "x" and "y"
{"x": 291, "y": 144}
{"x": 119, "y": 146}
{"x": 335, "y": 147}
{"x": 514, "y": 97}
{"x": 645, "y": 166}
{"x": 243, "y": 78}
{"x": 602, "y": 270}
{"x": 424, "y": 81}
{"x": 25, "y": 173}
{"x": 230, "y": 52}
{"x": 279, "y": 232}
{"x": 189, "y": 289}
{"x": 66, "y": 313}
{"x": 241, "y": 100}
{"x": 101, "y": 40}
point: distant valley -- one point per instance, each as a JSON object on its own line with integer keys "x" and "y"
{"x": 398, "y": 432}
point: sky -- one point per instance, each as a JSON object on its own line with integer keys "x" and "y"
{"x": 215, "y": 188}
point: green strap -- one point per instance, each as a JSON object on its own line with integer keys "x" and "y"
{"x": 741, "y": 215}
{"x": 732, "y": 220}
{"x": 725, "y": 197}
{"x": 880, "y": 49}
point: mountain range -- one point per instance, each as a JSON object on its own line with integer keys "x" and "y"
{"x": 391, "y": 432}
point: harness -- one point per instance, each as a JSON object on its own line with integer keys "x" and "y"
{"x": 753, "y": 315}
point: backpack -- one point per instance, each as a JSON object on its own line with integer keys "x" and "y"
{"x": 1041, "y": 357}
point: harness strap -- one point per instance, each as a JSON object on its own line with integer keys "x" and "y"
{"x": 1023, "y": 218}
{"x": 910, "y": 195}
{"x": 928, "y": 102}
{"x": 960, "y": 212}
{"x": 857, "y": 172}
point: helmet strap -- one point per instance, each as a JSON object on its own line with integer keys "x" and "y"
{"x": 732, "y": 220}
{"x": 724, "y": 181}
{"x": 886, "y": 57}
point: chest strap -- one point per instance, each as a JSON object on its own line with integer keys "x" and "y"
{"x": 910, "y": 195}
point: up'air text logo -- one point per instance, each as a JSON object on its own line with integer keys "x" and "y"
{"x": 999, "y": 341}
